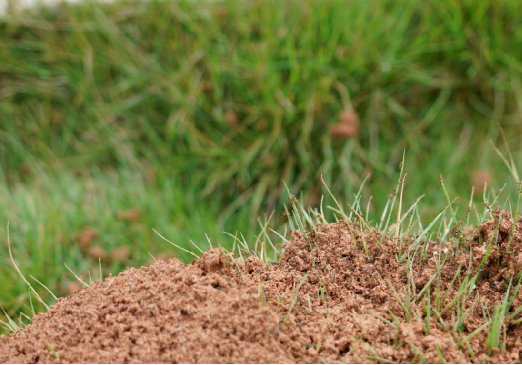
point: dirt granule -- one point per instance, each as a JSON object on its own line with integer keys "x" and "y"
{"x": 327, "y": 300}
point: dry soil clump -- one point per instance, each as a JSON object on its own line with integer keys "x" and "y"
{"x": 340, "y": 293}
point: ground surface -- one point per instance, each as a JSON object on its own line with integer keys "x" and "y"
{"x": 325, "y": 300}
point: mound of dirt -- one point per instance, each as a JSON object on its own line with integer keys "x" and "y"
{"x": 327, "y": 299}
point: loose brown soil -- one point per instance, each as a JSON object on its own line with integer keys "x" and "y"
{"x": 220, "y": 309}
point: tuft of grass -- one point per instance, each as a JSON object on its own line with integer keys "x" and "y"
{"x": 9, "y": 326}
{"x": 51, "y": 348}
{"x": 418, "y": 353}
{"x": 458, "y": 226}
{"x": 405, "y": 305}
{"x": 261, "y": 293}
{"x": 294, "y": 296}
{"x": 515, "y": 219}
{"x": 85, "y": 285}
{"x": 441, "y": 356}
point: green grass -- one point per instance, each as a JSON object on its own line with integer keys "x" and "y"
{"x": 93, "y": 85}
{"x": 46, "y": 217}
{"x": 104, "y": 109}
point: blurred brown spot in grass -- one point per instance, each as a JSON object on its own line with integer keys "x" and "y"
{"x": 165, "y": 256}
{"x": 479, "y": 178}
{"x": 24, "y": 169}
{"x": 150, "y": 176}
{"x": 261, "y": 125}
{"x": 73, "y": 287}
{"x": 129, "y": 215}
{"x": 221, "y": 11}
{"x": 86, "y": 236}
{"x": 348, "y": 125}
{"x": 162, "y": 256}
{"x": 120, "y": 254}
{"x": 207, "y": 86}
{"x": 231, "y": 118}
{"x": 367, "y": 171}
{"x": 97, "y": 252}
{"x": 313, "y": 200}
{"x": 269, "y": 160}
{"x": 56, "y": 119}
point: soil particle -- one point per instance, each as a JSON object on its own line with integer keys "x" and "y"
{"x": 211, "y": 261}
{"x": 328, "y": 298}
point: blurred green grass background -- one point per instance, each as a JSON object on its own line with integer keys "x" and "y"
{"x": 186, "y": 117}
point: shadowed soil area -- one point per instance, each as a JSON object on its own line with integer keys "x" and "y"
{"x": 340, "y": 293}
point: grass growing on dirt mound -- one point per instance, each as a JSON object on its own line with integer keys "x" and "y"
{"x": 232, "y": 97}
{"x": 393, "y": 291}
